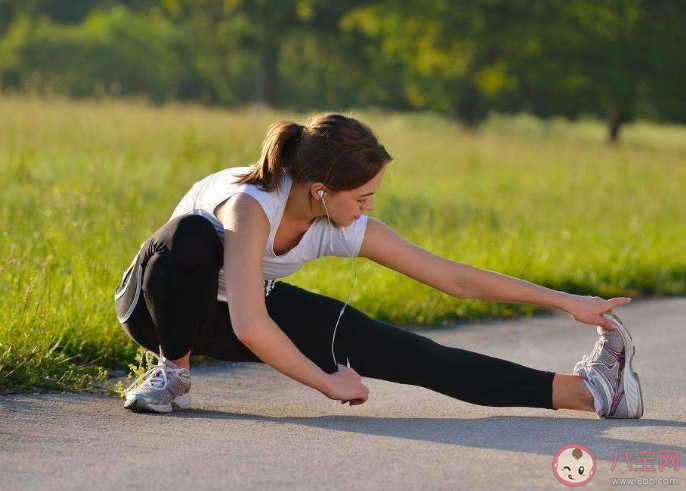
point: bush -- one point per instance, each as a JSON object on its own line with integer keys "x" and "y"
{"x": 115, "y": 51}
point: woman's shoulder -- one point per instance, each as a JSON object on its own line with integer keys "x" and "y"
{"x": 241, "y": 207}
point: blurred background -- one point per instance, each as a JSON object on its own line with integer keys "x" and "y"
{"x": 543, "y": 140}
{"x": 615, "y": 60}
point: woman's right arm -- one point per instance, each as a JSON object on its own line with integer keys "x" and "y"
{"x": 246, "y": 229}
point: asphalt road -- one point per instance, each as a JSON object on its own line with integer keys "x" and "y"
{"x": 254, "y": 428}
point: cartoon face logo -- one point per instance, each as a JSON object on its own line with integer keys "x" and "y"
{"x": 574, "y": 465}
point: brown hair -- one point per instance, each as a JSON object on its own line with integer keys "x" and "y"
{"x": 341, "y": 152}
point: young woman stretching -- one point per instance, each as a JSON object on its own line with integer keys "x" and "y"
{"x": 197, "y": 285}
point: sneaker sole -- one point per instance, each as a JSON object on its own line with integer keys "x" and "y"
{"x": 139, "y": 405}
{"x": 632, "y": 384}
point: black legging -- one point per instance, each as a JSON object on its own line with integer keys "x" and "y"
{"x": 178, "y": 311}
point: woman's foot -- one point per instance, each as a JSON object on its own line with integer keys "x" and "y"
{"x": 609, "y": 375}
{"x": 165, "y": 387}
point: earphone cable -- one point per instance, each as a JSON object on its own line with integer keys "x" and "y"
{"x": 352, "y": 264}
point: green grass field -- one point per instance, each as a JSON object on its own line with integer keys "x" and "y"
{"x": 84, "y": 183}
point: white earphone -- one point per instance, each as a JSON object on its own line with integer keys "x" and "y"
{"x": 352, "y": 263}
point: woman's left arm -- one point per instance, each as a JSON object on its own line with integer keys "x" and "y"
{"x": 384, "y": 246}
{"x": 498, "y": 287}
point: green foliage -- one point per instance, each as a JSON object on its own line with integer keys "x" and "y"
{"x": 118, "y": 51}
{"x": 44, "y": 365}
{"x": 560, "y": 57}
{"x": 464, "y": 58}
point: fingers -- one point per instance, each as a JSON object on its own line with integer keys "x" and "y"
{"x": 615, "y": 302}
{"x": 612, "y": 303}
{"x": 357, "y": 402}
{"x": 606, "y": 324}
{"x": 360, "y": 400}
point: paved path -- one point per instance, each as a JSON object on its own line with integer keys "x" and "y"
{"x": 254, "y": 428}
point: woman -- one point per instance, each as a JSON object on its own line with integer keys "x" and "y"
{"x": 198, "y": 286}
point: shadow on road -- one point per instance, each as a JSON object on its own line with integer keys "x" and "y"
{"x": 531, "y": 435}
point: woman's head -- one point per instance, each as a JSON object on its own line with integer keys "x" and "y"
{"x": 338, "y": 153}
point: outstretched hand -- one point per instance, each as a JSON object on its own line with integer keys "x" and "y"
{"x": 589, "y": 310}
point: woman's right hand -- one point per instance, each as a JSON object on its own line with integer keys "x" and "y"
{"x": 346, "y": 386}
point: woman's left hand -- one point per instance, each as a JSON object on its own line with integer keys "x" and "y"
{"x": 589, "y": 310}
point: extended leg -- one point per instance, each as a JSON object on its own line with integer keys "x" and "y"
{"x": 383, "y": 351}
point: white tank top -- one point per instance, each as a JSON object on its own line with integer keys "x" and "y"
{"x": 319, "y": 240}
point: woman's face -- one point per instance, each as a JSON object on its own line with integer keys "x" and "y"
{"x": 345, "y": 207}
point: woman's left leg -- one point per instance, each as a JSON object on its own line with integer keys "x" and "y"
{"x": 383, "y": 351}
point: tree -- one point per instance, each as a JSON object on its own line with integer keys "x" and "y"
{"x": 606, "y": 57}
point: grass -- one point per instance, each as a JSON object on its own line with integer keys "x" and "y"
{"x": 84, "y": 183}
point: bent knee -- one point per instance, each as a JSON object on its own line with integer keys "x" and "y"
{"x": 195, "y": 243}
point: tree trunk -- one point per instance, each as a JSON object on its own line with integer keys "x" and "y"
{"x": 616, "y": 118}
{"x": 470, "y": 108}
{"x": 267, "y": 73}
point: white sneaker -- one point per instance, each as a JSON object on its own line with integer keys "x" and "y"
{"x": 609, "y": 374}
{"x": 165, "y": 387}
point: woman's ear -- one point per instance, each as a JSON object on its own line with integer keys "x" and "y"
{"x": 317, "y": 190}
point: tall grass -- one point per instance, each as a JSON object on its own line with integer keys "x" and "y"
{"x": 85, "y": 183}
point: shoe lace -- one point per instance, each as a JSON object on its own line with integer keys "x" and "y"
{"x": 587, "y": 361}
{"x": 156, "y": 377}
{"x": 584, "y": 363}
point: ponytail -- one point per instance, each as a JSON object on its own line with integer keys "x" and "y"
{"x": 337, "y": 150}
{"x": 278, "y": 148}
